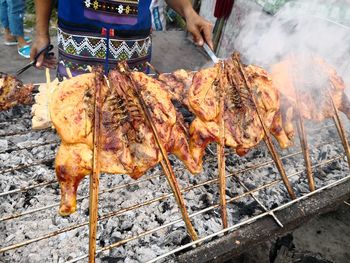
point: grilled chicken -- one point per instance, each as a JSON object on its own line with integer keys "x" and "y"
{"x": 13, "y": 92}
{"x": 127, "y": 142}
{"x": 305, "y": 84}
{"x": 177, "y": 84}
{"x": 243, "y": 129}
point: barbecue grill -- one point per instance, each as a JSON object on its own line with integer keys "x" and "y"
{"x": 139, "y": 220}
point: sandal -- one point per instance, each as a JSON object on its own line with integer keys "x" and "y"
{"x": 11, "y": 42}
{"x": 24, "y": 51}
{"x": 15, "y": 42}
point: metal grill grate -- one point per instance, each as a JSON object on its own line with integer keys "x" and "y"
{"x": 234, "y": 174}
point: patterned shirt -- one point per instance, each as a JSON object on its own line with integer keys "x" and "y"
{"x": 103, "y": 32}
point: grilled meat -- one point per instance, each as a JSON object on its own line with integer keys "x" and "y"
{"x": 243, "y": 129}
{"x": 305, "y": 84}
{"x": 127, "y": 142}
{"x": 13, "y": 92}
{"x": 177, "y": 84}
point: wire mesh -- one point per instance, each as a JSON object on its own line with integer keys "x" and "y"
{"x": 254, "y": 193}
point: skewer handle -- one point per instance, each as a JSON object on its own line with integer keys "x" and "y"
{"x": 166, "y": 166}
{"x": 94, "y": 177}
{"x": 306, "y": 152}
{"x": 340, "y": 126}
{"x": 221, "y": 151}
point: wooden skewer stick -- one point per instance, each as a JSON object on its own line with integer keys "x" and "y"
{"x": 166, "y": 166}
{"x": 267, "y": 138}
{"x": 221, "y": 149}
{"x": 69, "y": 73}
{"x": 304, "y": 144}
{"x": 94, "y": 177}
{"x": 302, "y": 132}
{"x": 47, "y": 75}
{"x": 153, "y": 68}
{"x": 340, "y": 127}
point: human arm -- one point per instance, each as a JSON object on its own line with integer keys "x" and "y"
{"x": 200, "y": 28}
{"x": 42, "y": 39}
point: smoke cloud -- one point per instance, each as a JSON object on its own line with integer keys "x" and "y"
{"x": 265, "y": 39}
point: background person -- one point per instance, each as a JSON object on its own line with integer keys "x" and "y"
{"x": 95, "y": 32}
{"x": 11, "y": 15}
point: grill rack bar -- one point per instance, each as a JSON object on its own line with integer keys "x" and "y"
{"x": 121, "y": 211}
{"x": 25, "y": 189}
{"x": 248, "y": 221}
{"x": 16, "y": 149}
{"x": 22, "y": 132}
{"x": 23, "y": 166}
{"x": 257, "y": 166}
{"x": 33, "y": 146}
{"x": 121, "y": 242}
{"x": 260, "y": 203}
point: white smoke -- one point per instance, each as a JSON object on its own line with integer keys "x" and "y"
{"x": 297, "y": 28}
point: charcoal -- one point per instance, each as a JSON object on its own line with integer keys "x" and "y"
{"x": 74, "y": 243}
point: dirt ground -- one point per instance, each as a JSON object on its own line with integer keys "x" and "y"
{"x": 326, "y": 237}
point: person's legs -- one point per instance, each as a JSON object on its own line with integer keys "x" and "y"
{"x": 16, "y": 15}
{"x": 3, "y": 14}
{"x": 4, "y": 10}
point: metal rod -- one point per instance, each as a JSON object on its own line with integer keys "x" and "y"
{"x": 248, "y": 221}
{"x": 267, "y": 139}
{"x": 15, "y": 120}
{"x": 166, "y": 166}
{"x": 24, "y": 189}
{"x": 249, "y": 168}
{"x": 23, "y": 166}
{"x": 96, "y": 166}
{"x": 22, "y": 132}
{"x": 221, "y": 147}
{"x": 259, "y": 202}
{"x": 340, "y": 127}
{"x": 13, "y": 149}
{"x": 193, "y": 243}
{"x": 15, "y": 246}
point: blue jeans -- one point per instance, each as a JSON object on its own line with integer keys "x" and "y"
{"x": 11, "y": 15}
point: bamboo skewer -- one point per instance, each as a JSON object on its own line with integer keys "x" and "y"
{"x": 69, "y": 73}
{"x": 94, "y": 177}
{"x": 221, "y": 150}
{"x": 304, "y": 144}
{"x": 340, "y": 127}
{"x": 267, "y": 138}
{"x": 166, "y": 166}
{"x": 303, "y": 136}
{"x": 306, "y": 152}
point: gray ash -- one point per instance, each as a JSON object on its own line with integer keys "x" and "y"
{"x": 74, "y": 243}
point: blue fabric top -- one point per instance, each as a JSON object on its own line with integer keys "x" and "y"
{"x": 131, "y": 16}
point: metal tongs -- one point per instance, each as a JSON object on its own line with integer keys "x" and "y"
{"x": 46, "y": 50}
{"x": 211, "y": 53}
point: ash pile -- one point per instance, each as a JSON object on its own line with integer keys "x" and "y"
{"x": 139, "y": 220}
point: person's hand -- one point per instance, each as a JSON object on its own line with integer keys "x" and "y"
{"x": 201, "y": 29}
{"x": 40, "y": 42}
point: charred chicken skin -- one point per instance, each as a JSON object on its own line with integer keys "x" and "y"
{"x": 243, "y": 129}
{"x": 306, "y": 84}
{"x": 127, "y": 142}
{"x": 13, "y": 92}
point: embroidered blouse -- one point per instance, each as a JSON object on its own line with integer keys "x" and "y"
{"x": 93, "y": 32}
